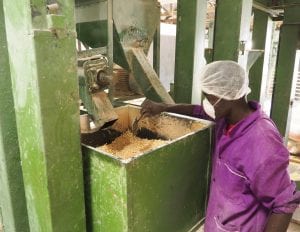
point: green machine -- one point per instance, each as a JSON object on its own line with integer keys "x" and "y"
{"x": 117, "y": 32}
{"x": 164, "y": 188}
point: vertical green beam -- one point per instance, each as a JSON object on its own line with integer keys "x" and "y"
{"x": 110, "y": 45}
{"x": 189, "y": 16}
{"x": 227, "y": 29}
{"x": 156, "y": 50}
{"x": 42, "y": 56}
{"x": 211, "y": 29}
{"x": 259, "y": 35}
{"x": 232, "y": 25}
{"x": 208, "y": 55}
{"x": 289, "y": 37}
{"x": 12, "y": 195}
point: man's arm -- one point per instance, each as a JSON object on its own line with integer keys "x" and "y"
{"x": 153, "y": 108}
{"x": 278, "y": 222}
{"x": 185, "y": 109}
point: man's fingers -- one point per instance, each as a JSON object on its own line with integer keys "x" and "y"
{"x": 146, "y": 115}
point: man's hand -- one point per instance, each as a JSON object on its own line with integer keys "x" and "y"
{"x": 278, "y": 222}
{"x": 150, "y": 108}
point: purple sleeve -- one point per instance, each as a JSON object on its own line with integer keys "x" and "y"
{"x": 272, "y": 185}
{"x": 198, "y": 112}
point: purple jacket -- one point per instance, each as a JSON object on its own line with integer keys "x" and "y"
{"x": 249, "y": 177}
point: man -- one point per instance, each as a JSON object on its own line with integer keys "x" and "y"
{"x": 250, "y": 187}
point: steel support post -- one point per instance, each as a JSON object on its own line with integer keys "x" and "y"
{"x": 189, "y": 49}
{"x": 232, "y": 28}
{"x": 42, "y": 51}
{"x": 12, "y": 195}
{"x": 156, "y": 51}
{"x": 288, "y": 42}
{"x": 259, "y": 35}
{"x": 208, "y": 55}
{"x": 110, "y": 46}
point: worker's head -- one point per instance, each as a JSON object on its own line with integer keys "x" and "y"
{"x": 223, "y": 83}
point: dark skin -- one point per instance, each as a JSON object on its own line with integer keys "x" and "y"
{"x": 233, "y": 111}
{"x": 278, "y": 222}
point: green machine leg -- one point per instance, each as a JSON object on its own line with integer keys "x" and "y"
{"x": 288, "y": 43}
{"x": 232, "y": 17}
{"x": 12, "y": 195}
{"x": 260, "y": 29}
{"x": 190, "y": 14}
{"x": 156, "y": 51}
{"x": 148, "y": 79}
{"x": 42, "y": 52}
{"x": 208, "y": 55}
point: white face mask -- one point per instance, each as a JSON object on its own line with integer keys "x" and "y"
{"x": 209, "y": 108}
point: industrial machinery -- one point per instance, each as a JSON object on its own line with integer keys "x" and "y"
{"x": 42, "y": 162}
{"x": 116, "y": 33}
{"x": 94, "y": 79}
{"x": 148, "y": 185}
{"x": 138, "y": 191}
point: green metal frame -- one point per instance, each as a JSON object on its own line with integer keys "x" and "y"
{"x": 185, "y": 50}
{"x": 133, "y": 33}
{"x": 146, "y": 193}
{"x": 227, "y": 30}
{"x": 289, "y": 39}
{"x": 259, "y": 36}
{"x": 94, "y": 34}
{"x": 282, "y": 3}
{"x": 209, "y": 55}
{"x": 156, "y": 51}
{"x": 12, "y": 195}
{"x": 146, "y": 77}
{"x": 43, "y": 62}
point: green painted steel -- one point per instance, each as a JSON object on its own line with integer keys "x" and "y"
{"x": 168, "y": 188}
{"x": 227, "y": 30}
{"x": 291, "y": 15}
{"x": 94, "y": 34}
{"x": 141, "y": 14}
{"x": 209, "y": 55}
{"x": 283, "y": 3}
{"x": 263, "y": 2}
{"x": 106, "y": 193}
{"x": 146, "y": 77}
{"x": 133, "y": 34}
{"x": 156, "y": 51}
{"x": 45, "y": 88}
{"x": 298, "y": 184}
{"x": 185, "y": 50}
{"x": 126, "y": 17}
{"x": 289, "y": 38}
{"x": 163, "y": 190}
{"x": 259, "y": 35}
{"x": 12, "y": 195}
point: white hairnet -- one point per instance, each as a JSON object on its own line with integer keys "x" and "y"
{"x": 225, "y": 79}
